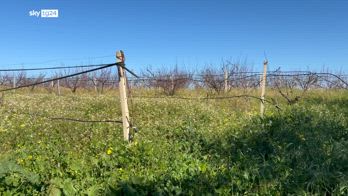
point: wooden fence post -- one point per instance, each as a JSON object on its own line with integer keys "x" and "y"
{"x": 172, "y": 85}
{"x": 52, "y": 86}
{"x": 14, "y": 82}
{"x": 58, "y": 87}
{"x": 95, "y": 83}
{"x": 225, "y": 79}
{"x": 263, "y": 88}
{"x": 123, "y": 93}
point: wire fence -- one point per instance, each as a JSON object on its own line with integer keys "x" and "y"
{"x": 44, "y": 81}
{"x": 83, "y": 79}
{"x": 50, "y": 68}
{"x": 101, "y": 77}
{"x": 283, "y": 81}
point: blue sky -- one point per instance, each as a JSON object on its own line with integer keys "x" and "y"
{"x": 295, "y": 34}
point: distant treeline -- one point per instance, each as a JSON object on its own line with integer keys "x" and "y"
{"x": 217, "y": 79}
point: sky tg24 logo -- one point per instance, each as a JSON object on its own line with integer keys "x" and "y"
{"x": 45, "y": 13}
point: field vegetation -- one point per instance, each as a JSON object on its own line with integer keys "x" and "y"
{"x": 182, "y": 146}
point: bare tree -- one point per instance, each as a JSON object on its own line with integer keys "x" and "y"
{"x": 84, "y": 81}
{"x": 37, "y": 79}
{"x": 169, "y": 81}
{"x": 294, "y": 87}
{"x": 20, "y": 78}
{"x": 5, "y": 79}
{"x": 73, "y": 83}
{"x": 213, "y": 79}
{"x": 101, "y": 79}
{"x": 238, "y": 76}
{"x": 305, "y": 82}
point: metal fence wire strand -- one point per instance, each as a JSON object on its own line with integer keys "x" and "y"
{"x": 85, "y": 121}
{"x": 102, "y": 66}
{"x": 58, "y": 78}
{"x": 51, "y": 68}
{"x": 243, "y": 77}
{"x": 36, "y": 114}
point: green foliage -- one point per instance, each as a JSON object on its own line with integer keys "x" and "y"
{"x": 301, "y": 150}
{"x": 184, "y": 147}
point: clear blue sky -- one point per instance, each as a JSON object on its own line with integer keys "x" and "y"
{"x": 295, "y": 34}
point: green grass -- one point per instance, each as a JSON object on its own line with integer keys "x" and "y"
{"x": 182, "y": 147}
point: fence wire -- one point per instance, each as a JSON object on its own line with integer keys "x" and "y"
{"x": 238, "y": 79}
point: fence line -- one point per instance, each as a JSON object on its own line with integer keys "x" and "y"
{"x": 121, "y": 71}
{"x": 201, "y": 79}
{"x": 323, "y": 80}
{"x": 58, "y": 78}
{"x": 223, "y": 81}
{"x": 56, "y": 60}
{"x": 50, "y": 68}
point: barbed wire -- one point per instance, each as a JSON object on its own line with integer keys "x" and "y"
{"x": 231, "y": 77}
{"x": 160, "y": 78}
{"x": 36, "y": 114}
{"x": 248, "y": 80}
{"x": 58, "y": 78}
{"x": 56, "y": 60}
{"x": 84, "y": 121}
{"x": 101, "y": 66}
{"x": 50, "y": 68}
{"x": 237, "y": 76}
{"x": 230, "y": 73}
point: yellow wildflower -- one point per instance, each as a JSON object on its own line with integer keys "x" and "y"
{"x": 20, "y": 161}
{"x": 109, "y": 151}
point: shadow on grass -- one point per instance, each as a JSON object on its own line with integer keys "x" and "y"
{"x": 300, "y": 151}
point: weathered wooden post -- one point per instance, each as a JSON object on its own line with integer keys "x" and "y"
{"x": 14, "y": 82}
{"x": 225, "y": 79}
{"x": 120, "y": 59}
{"x": 263, "y": 88}
{"x": 51, "y": 86}
{"x": 172, "y": 85}
{"x": 95, "y": 83}
{"x": 58, "y": 87}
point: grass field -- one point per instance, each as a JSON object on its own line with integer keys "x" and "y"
{"x": 185, "y": 147}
